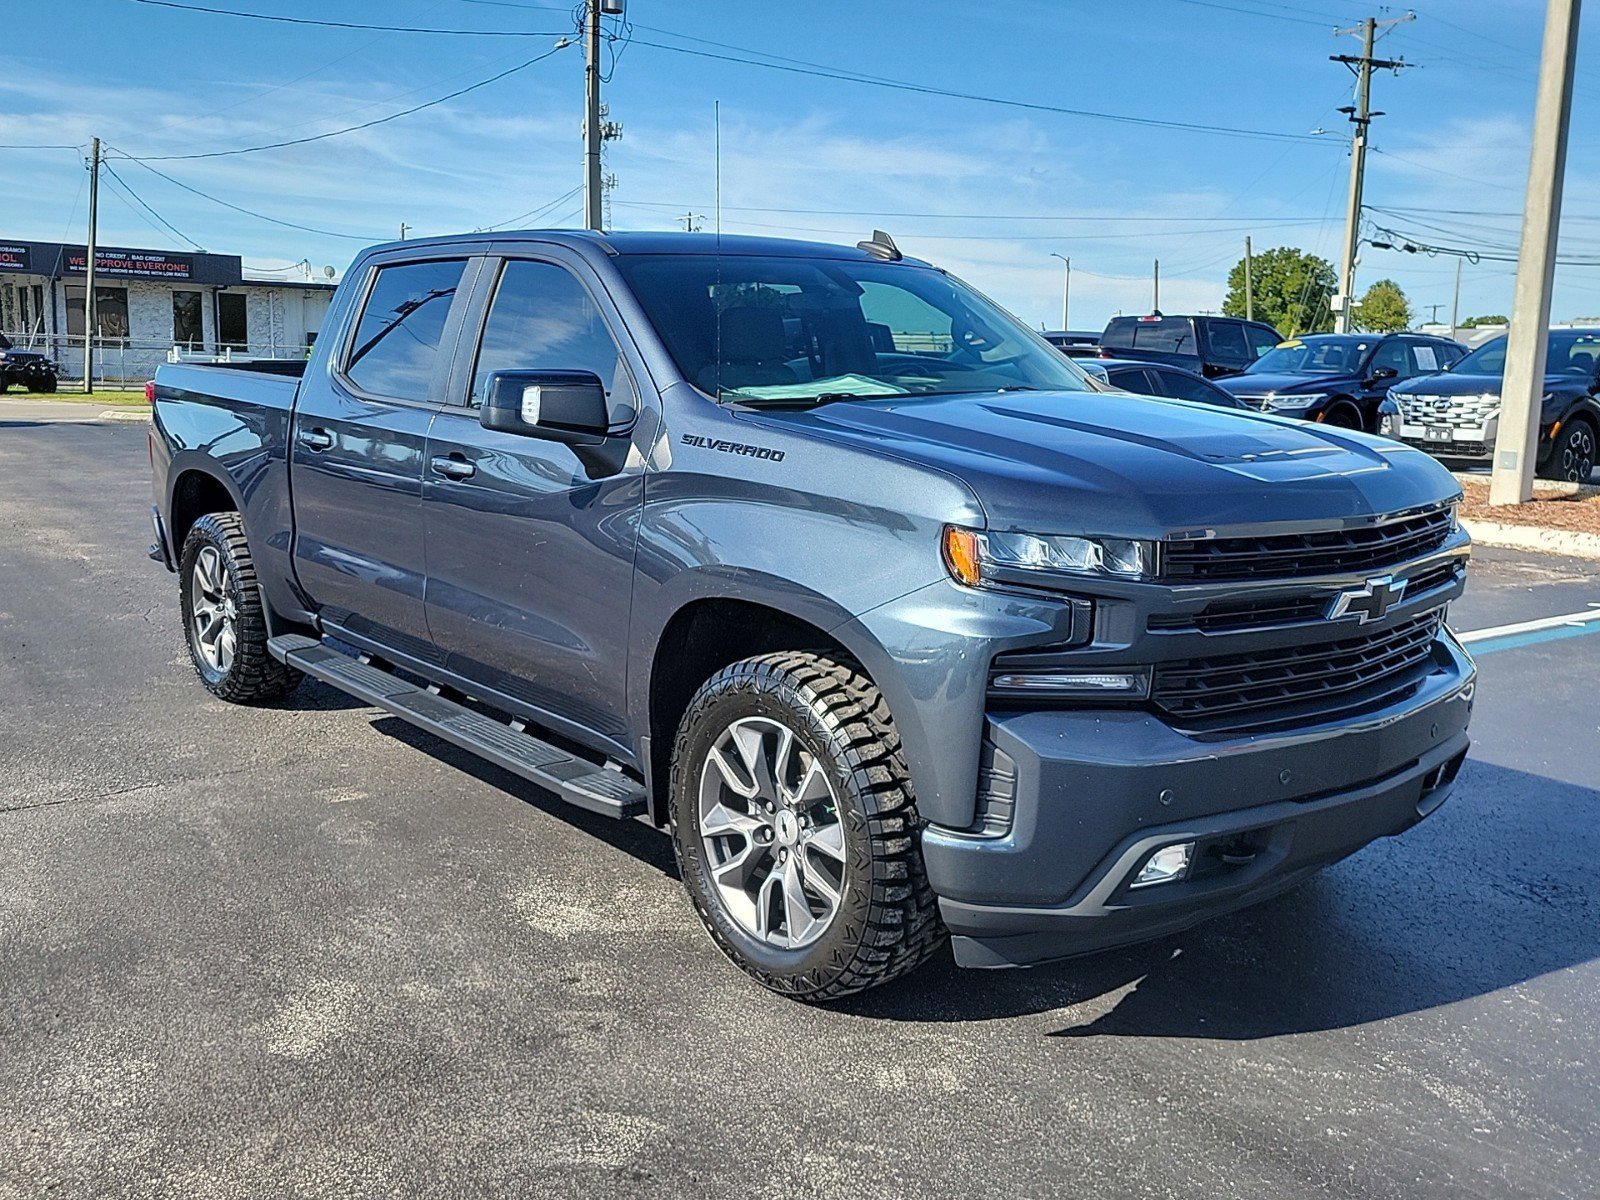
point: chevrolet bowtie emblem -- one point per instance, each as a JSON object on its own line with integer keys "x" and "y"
{"x": 1369, "y": 601}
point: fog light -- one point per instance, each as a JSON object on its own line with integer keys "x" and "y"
{"x": 1167, "y": 865}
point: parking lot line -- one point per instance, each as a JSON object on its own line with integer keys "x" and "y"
{"x": 1527, "y": 633}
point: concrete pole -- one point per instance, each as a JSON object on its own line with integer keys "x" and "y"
{"x": 90, "y": 316}
{"x": 1155, "y": 305}
{"x": 592, "y": 133}
{"x": 1516, "y": 441}
{"x": 1066, "y": 288}
{"x": 1249, "y": 283}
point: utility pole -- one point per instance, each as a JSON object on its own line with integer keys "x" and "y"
{"x": 90, "y": 316}
{"x": 1516, "y": 441}
{"x": 691, "y": 221}
{"x": 1455, "y": 305}
{"x": 591, "y": 117}
{"x": 1249, "y": 282}
{"x": 1066, "y": 288}
{"x": 1361, "y": 116}
{"x": 404, "y": 229}
{"x": 1433, "y": 309}
{"x": 1155, "y": 305}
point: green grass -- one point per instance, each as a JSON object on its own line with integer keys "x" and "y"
{"x": 113, "y": 396}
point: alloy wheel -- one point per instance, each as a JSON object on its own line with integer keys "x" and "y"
{"x": 214, "y": 616}
{"x": 769, "y": 825}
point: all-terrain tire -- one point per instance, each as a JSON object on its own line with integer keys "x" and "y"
{"x": 1572, "y": 458}
{"x": 250, "y": 675}
{"x": 886, "y": 923}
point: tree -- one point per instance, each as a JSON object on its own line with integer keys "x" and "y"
{"x": 1293, "y": 291}
{"x": 1492, "y": 319}
{"x": 1384, "y": 309}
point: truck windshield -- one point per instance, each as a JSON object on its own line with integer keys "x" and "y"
{"x": 1312, "y": 356}
{"x": 1567, "y": 352}
{"x": 744, "y": 327}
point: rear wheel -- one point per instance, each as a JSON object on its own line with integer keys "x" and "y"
{"x": 224, "y": 621}
{"x": 1572, "y": 457}
{"x": 795, "y": 827}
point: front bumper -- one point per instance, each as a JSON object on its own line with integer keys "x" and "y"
{"x": 1093, "y": 793}
{"x": 1468, "y": 442}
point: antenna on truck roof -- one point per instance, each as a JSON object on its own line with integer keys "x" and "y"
{"x": 881, "y": 245}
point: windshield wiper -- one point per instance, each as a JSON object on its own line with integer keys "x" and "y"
{"x": 810, "y": 401}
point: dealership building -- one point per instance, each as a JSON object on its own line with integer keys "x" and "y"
{"x": 151, "y": 306}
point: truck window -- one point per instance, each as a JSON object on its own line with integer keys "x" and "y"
{"x": 1168, "y": 335}
{"x": 397, "y": 339}
{"x": 543, "y": 319}
{"x": 1261, "y": 340}
{"x": 1228, "y": 344}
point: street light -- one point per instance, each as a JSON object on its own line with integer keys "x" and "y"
{"x": 1066, "y": 287}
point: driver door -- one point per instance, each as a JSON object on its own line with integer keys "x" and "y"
{"x": 530, "y": 555}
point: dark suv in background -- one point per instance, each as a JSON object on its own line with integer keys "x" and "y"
{"x": 1209, "y": 346}
{"x": 1456, "y": 414}
{"x": 1339, "y": 378}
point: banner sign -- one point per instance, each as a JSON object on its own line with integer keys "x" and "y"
{"x": 132, "y": 264}
{"x": 14, "y": 258}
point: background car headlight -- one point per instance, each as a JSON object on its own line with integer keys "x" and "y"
{"x": 974, "y": 558}
{"x": 1299, "y": 400}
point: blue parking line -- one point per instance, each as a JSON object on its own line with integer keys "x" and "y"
{"x": 1515, "y": 641}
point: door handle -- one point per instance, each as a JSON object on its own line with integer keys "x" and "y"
{"x": 452, "y": 467}
{"x": 316, "y": 439}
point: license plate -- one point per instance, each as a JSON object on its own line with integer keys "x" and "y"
{"x": 1435, "y": 433}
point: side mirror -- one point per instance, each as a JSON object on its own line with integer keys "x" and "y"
{"x": 560, "y": 406}
{"x": 1383, "y": 374}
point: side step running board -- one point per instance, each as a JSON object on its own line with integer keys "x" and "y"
{"x": 575, "y": 780}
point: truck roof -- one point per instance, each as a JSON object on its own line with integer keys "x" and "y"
{"x": 652, "y": 242}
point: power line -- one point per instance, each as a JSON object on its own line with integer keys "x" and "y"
{"x": 40, "y": 146}
{"x": 137, "y": 199}
{"x": 533, "y": 212}
{"x": 233, "y": 12}
{"x": 983, "y": 216}
{"x": 405, "y": 112}
{"x": 1253, "y": 13}
{"x": 823, "y": 72}
{"x": 354, "y": 237}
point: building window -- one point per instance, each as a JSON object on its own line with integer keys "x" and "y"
{"x": 186, "y": 330}
{"x": 233, "y": 330}
{"x": 110, "y": 312}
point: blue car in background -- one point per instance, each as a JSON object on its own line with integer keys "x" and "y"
{"x": 1340, "y": 379}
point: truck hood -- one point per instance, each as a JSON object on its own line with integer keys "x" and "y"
{"x": 1101, "y": 463}
{"x": 1260, "y": 383}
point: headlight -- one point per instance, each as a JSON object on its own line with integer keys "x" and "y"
{"x": 975, "y": 558}
{"x": 1298, "y": 400}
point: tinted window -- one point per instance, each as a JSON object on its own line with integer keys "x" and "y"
{"x": 1187, "y": 387}
{"x": 543, "y": 319}
{"x": 1228, "y": 344}
{"x": 1132, "y": 379}
{"x": 186, "y": 320}
{"x": 1391, "y": 354}
{"x": 1171, "y": 335}
{"x": 397, "y": 338}
{"x": 1427, "y": 357}
{"x": 233, "y": 327}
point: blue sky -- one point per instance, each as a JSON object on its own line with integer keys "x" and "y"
{"x": 988, "y": 190}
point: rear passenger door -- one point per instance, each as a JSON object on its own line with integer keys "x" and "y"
{"x": 530, "y": 552}
{"x": 356, "y": 451}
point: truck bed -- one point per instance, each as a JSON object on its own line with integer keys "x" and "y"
{"x": 270, "y": 384}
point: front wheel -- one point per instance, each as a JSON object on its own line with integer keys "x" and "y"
{"x": 1572, "y": 457}
{"x": 795, "y": 827}
{"x": 224, "y": 621}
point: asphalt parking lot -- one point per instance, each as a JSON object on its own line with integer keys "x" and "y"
{"x": 310, "y": 951}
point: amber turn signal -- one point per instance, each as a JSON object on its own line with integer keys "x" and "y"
{"x": 961, "y": 556}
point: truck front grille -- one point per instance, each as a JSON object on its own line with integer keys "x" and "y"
{"x": 1239, "y": 686}
{"x": 1325, "y": 552}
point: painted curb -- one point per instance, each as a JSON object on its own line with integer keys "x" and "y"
{"x": 1532, "y": 537}
{"x": 112, "y": 414}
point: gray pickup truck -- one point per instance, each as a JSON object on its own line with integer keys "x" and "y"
{"x": 818, "y": 560}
